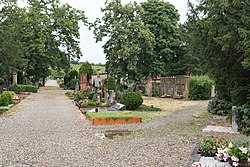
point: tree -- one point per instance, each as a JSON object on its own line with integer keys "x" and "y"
{"x": 222, "y": 35}
{"x": 129, "y": 43}
{"x": 86, "y": 68}
{"x": 49, "y": 33}
{"x": 162, "y": 19}
{"x": 11, "y": 53}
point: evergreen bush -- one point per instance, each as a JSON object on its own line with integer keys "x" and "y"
{"x": 218, "y": 106}
{"x": 112, "y": 84}
{"x": 24, "y": 88}
{"x": 132, "y": 100}
{"x": 200, "y": 88}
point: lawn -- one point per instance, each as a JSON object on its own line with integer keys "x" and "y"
{"x": 95, "y": 67}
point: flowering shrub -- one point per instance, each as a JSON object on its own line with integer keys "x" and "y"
{"x": 238, "y": 154}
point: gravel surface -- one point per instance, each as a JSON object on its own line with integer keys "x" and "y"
{"x": 48, "y": 130}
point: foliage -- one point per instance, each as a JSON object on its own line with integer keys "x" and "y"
{"x": 86, "y": 68}
{"x": 73, "y": 74}
{"x": 129, "y": 43}
{"x": 2, "y": 82}
{"x": 111, "y": 83}
{"x": 83, "y": 95}
{"x": 162, "y": 18}
{"x": 132, "y": 100}
{"x": 73, "y": 83}
{"x": 200, "y": 88}
{"x": 220, "y": 41}
{"x": 218, "y": 106}
{"x": 243, "y": 119}
{"x": 24, "y": 88}
{"x": 239, "y": 153}
{"x": 41, "y": 36}
{"x": 6, "y": 99}
{"x": 94, "y": 66}
{"x": 209, "y": 146}
{"x": 91, "y": 103}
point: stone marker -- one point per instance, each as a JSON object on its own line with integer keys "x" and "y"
{"x": 117, "y": 107}
{"x": 234, "y": 118}
{"x": 220, "y": 129}
{"x": 111, "y": 96}
{"x": 211, "y": 162}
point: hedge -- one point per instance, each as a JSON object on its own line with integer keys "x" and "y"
{"x": 200, "y": 88}
{"x": 24, "y": 88}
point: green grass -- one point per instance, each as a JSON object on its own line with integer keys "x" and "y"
{"x": 95, "y": 67}
{"x": 146, "y": 115}
{"x": 108, "y": 114}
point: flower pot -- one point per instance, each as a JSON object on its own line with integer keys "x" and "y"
{"x": 241, "y": 164}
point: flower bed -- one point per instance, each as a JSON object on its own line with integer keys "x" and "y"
{"x": 236, "y": 154}
{"x": 102, "y": 118}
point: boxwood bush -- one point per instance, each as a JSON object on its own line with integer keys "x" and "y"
{"x": 200, "y": 88}
{"x": 6, "y": 99}
{"x": 132, "y": 100}
{"x": 24, "y": 88}
{"x": 218, "y": 106}
{"x": 243, "y": 119}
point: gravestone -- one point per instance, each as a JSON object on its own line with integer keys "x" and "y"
{"x": 234, "y": 118}
{"x": 117, "y": 107}
{"x": 84, "y": 82}
{"x": 14, "y": 79}
{"x": 111, "y": 96}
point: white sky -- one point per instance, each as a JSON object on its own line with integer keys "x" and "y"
{"x": 92, "y": 51}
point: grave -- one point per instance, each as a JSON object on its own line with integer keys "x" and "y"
{"x": 223, "y": 129}
{"x": 83, "y": 82}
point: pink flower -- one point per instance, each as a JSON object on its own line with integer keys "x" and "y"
{"x": 196, "y": 164}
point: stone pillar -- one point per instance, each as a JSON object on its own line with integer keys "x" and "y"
{"x": 186, "y": 93}
{"x": 14, "y": 79}
{"x": 149, "y": 88}
{"x": 234, "y": 118}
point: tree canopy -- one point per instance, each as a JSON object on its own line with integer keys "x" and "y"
{"x": 129, "y": 46}
{"x": 221, "y": 36}
{"x": 47, "y": 32}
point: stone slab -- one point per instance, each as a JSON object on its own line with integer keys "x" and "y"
{"x": 220, "y": 129}
{"x": 211, "y": 162}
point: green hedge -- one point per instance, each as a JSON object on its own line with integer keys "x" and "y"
{"x": 112, "y": 84}
{"x": 200, "y": 88}
{"x": 132, "y": 100}
{"x": 25, "y": 88}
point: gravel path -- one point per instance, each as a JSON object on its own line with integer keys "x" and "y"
{"x": 48, "y": 130}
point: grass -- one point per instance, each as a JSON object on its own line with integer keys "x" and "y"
{"x": 95, "y": 67}
{"x": 113, "y": 115}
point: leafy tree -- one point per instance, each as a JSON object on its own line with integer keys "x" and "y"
{"x": 162, "y": 20}
{"x": 129, "y": 43}
{"x": 222, "y": 40}
{"x": 86, "y": 68}
{"x": 11, "y": 53}
{"x": 49, "y": 33}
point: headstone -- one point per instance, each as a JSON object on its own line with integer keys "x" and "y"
{"x": 117, "y": 96}
{"x": 14, "y": 79}
{"x": 84, "y": 82}
{"x": 1, "y": 89}
{"x": 211, "y": 162}
{"x": 117, "y": 107}
{"x": 234, "y": 118}
{"x": 111, "y": 96}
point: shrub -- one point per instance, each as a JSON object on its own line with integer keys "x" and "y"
{"x": 132, "y": 100}
{"x": 73, "y": 83}
{"x": 91, "y": 103}
{"x": 218, "y": 106}
{"x": 73, "y": 74}
{"x": 5, "y": 99}
{"x": 2, "y": 82}
{"x": 200, "y": 88}
{"x": 86, "y": 68}
{"x": 82, "y": 95}
{"x": 112, "y": 84}
{"x": 24, "y": 88}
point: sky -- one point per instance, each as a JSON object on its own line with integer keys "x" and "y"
{"x": 91, "y": 50}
